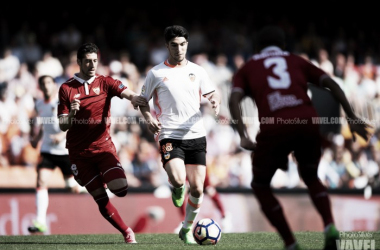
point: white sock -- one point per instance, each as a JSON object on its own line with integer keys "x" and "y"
{"x": 42, "y": 203}
{"x": 192, "y": 209}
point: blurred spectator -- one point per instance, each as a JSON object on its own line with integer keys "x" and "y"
{"x": 70, "y": 38}
{"x": 49, "y": 65}
{"x": 9, "y": 65}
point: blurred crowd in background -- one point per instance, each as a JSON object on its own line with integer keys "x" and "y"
{"x": 130, "y": 49}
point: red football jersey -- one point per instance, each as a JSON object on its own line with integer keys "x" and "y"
{"x": 91, "y": 124}
{"x": 277, "y": 81}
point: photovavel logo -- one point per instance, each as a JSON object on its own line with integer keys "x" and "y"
{"x": 356, "y": 241}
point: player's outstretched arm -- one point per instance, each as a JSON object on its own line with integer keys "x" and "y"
{"x": 237, "y": 121}
{"x": 154, "y": 126}
{"x": 356, "y": 124}
{"x": 135, "y": 99}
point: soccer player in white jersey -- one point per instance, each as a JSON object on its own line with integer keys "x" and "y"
{"x": 53, "y": 151}
{"x": 176, "y": 86}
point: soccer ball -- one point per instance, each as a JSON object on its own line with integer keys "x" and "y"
{"x": 207, "y": 232}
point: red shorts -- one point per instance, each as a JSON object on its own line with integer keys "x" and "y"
{"x": 274, "y": 147}
{"x": 93, "y": 168}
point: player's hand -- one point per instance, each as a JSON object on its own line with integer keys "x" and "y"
{"x": 246, "y": 143}
{"x": 154, "y": 126}
{"x": 359, "y": 127}
{"x": 138, "y": 101}
{"x": 215, "y": 104}
{"x": 74, "y": 106}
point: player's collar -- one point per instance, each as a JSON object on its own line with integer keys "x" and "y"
{"x": 89, "y": 81}
{"x": 271, "y": 48}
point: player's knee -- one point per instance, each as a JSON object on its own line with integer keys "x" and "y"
{"x": 121, "y": 192}
{"x": 196, "y": 191}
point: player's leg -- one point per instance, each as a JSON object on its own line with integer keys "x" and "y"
{"x": 308, "y": 155}
{"x": 86, "y": 172}
{"x": 211, "y": 191}
{"x": 268, "y": 157}
{"x": 114, "y": 176}
{"x": 195, "y": 160}
{"x": 63, "y": 162}
{"x": 44, "y": 171}
{"x": 172, "y": 157}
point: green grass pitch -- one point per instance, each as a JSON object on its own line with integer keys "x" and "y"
{"x": 228, "y": 241}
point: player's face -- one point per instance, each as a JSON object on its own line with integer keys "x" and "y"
{"x": 88, "y": 65}
{"x": 48, "y": 87}
{"x": 177, "y": 48}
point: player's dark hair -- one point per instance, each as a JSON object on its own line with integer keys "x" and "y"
{"x": 175, "y": 31}
{"x": 271, "y": 36}
{"x": 85, "y": 49}
{"x": 42, "y": 78}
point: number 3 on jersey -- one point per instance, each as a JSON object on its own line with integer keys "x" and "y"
{"x": 280, "y": 70}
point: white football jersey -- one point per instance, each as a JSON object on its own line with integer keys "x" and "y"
{"x": 47, "y": 116}
{"x": 177, "y": 96}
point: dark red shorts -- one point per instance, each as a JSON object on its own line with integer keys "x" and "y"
{"x": 93, "y": 168}
{"x": 274, "y": 147}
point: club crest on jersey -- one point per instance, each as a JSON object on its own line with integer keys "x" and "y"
{"x": 121, "y": 86}
{"x": 96, "y": 90}
{"x": 166, "y": 156}
{"x": 192, "y": 77}
{"x": 169, "y": 146}
{"x": 143, "y": 89}
{"x": 76, "y": 96}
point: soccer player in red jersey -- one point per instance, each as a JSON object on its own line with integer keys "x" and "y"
{"x": 277, "y": 81}
{"x": 84, "y": 112}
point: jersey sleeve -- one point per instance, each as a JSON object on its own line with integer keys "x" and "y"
{"x": 115, "y": 87}
{"x": 207, "y": 86}
{"x": 63, "y": 102}
{"x": 314, "y": 74}
{"x": 238, "y": 81}
{"x": 149, "y": 85}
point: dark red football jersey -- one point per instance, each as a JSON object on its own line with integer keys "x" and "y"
{"x": 278, "y": 83}
{"x": 91, "y": 124}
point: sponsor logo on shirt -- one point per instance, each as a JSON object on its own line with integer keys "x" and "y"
{"x": 192, "y": 77}
{"x": 96, "y": 90}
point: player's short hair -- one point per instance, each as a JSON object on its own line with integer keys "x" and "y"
{"x": 175, "y": 31}
{"x": 42, "y": 78}
{"x": 271, "y": 36}
{"x": 86, "y": 49}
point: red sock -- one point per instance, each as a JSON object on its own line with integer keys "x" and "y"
{"x": 273, "y": 211}
{"x": 216, "y": 199}
{"x": 110, "y": 213}
{"x": 183, "y": 208}
{"x": 319, "y": 196}
{"x": 141, "y": 223}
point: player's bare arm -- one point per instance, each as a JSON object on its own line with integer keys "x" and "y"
{"x": 57, "y": 138}
{"x": 154, "y": 126}
{"x": 135, "y": 99}
{"x": 235, "y": 109}
{"x": 356, "y": 124}
{"x": 65, "y": 122}
{"x": 215, "y": 101}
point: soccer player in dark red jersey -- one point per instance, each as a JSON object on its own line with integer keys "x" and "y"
{"x": 84, "y": 112}
{"x": 277, "y": 82}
